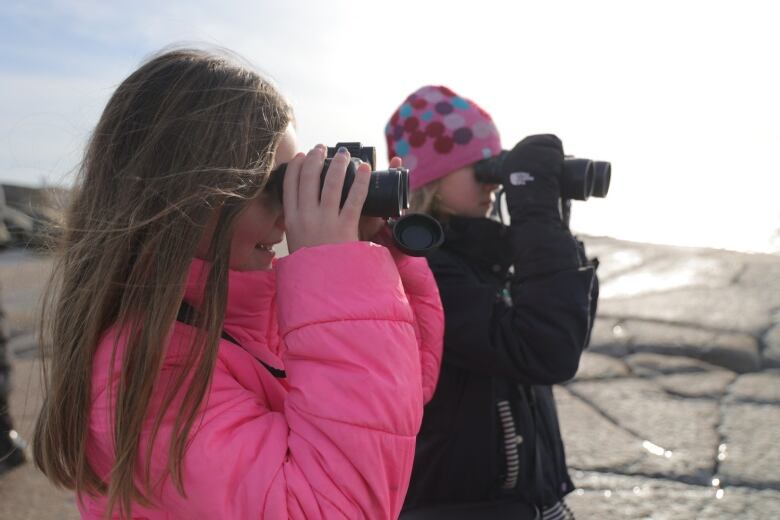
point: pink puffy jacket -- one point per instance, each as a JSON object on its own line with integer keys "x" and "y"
{"x": 361, "y": 348}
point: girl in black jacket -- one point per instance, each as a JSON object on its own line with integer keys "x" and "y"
{"x": 519, "y": 303}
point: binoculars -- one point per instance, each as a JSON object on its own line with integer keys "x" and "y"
{"x": 580, "y": 179}
{"x": 388, "y": 190}
{"x": 415, "y": 234}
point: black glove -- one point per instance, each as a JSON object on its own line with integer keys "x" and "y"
{"x": 531, "y": 172}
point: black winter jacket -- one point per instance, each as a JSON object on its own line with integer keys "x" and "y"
{"x": 506, "y": 341}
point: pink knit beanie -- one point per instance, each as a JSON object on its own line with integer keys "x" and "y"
{"x": 436, "y": 132}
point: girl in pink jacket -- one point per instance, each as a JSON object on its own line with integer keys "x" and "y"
{"x": 193, "y": 376}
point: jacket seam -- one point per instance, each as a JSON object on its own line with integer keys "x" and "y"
{"x": 356, "y": 425}
{"x": 324, "y": 322}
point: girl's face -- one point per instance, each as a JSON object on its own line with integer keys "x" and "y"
{"x": 459, "y": 193}
{"x": 260, "y": 224}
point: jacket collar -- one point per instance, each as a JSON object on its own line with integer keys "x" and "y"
{"x": 481, "y": 241}
{"x": 250, "y": 316}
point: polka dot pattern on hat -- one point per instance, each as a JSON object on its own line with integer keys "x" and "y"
{"x": 454, "y": 121}
{"x": 436, "y": 131}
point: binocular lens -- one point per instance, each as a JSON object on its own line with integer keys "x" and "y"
{"x": 577, "y": 179}
{"x": 603, "y": 173}
{"x": 404, "y": 188}
{"x": 388, "y": 191}
{"x": 583, "y": 178}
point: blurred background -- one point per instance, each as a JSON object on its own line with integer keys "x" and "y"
{"x": 675, "y": 413}
{"x": 681, "y": 96}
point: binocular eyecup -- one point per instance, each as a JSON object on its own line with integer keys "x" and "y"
{"x": 388, "y": 197}
{"x": 417, "y": 234}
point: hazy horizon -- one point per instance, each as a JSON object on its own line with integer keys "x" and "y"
{"x": 681, "y": 97}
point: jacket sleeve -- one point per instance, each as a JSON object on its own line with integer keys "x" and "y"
{"x": 533, "y": 333}
{"x": 343, "y": 444}
{"x": 423, "y": 295}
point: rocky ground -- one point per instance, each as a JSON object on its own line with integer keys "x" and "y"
{"x": 675, "y": 411}
{"x": 674, "y": 414}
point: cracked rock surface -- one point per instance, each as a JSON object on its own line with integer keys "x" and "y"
{"x": 673, "y": 415}
{"x": 675, "y": 411}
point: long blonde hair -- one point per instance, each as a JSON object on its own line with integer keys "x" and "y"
{"x": 189, "y": 132}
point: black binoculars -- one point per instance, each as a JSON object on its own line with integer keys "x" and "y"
{"x": 581, "y": 178}
{"x": 388, "y": 190}
{"x": 388, "y": 196}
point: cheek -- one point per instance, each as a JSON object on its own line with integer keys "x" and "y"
{"x": 245, "y": 228}
{"x": 452, "y": 190}
{"x": 468, "y": 194}
{"x": 257, "y": 221}
{"x": 243, "y": 236}
{"x": 205, "y": 239}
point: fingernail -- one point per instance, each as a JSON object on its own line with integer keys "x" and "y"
{"x": 343, "y": 149}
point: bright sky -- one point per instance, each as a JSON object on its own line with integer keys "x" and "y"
{"x": 683, "y": 97}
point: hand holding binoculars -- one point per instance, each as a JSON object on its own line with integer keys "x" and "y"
{"x": 415, "y": 234}
{"x": 580, "y": 178}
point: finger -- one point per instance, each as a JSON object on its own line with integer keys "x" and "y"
{"x": 309, "y": 191}
{"x": 334, "y": 181}
{"x": 290, "y": 185}
{"x": 357, "y": 193}
{"x": 396, "y": 162}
